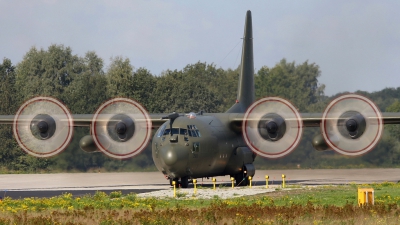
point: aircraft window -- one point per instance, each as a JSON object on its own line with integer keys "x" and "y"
{"x": 161, "y": 131}
{"x": 167, "y": 131}
{"x": 183, "y": 131}
{"x": 193, "y": 131}
{"x": 196, "y": 147}
{"x": 174, "y": 131}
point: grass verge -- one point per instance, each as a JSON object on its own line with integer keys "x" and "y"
{"x": 314, "y": 205}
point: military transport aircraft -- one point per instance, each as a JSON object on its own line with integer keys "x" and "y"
{"x": 188, "y": 146}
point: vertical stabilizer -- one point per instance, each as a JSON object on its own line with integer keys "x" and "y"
{"x": 245, "y": 95}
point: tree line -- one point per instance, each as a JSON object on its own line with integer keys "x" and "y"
{"x": 83, "y": 84}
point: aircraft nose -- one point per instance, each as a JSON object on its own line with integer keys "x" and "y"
{"x": 173, "y": 155}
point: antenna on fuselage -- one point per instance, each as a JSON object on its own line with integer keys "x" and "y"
{"x": 245, "y": 95}
{"x": 171, "y": 118}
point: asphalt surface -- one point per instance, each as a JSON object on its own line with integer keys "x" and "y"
{"x": 78, "y": 184}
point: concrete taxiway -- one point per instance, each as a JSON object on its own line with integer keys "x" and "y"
{"x": 48, "y": 185}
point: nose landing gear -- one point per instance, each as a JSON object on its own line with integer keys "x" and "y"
{"x": 241, "y": 179}
{"x": 183, "y": 182}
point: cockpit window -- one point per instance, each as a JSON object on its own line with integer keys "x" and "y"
{"x": 193, "y": 131}
{"x": 167, "y": 131}
{"x": 161, "y": 131}
{"x": 174, "y": 131}
{"x": 183, "y": 132}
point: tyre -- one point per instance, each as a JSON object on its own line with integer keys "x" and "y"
{"x": 176, "y": 182}
{"x": 241, "y": 179}
{"x": 185, "y": 182}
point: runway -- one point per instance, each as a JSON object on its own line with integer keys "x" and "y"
{"x": 49, "y": 185}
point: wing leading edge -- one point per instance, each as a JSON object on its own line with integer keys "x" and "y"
{"x": 307, "y": 119}
{"x": 85, "y": 120}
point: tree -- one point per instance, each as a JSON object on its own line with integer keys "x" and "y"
{"x": 8, "y": 146}
{"x": 48, "y": 72}
{"x": 296, "y": 83}
{"x": 84, "y": 94}
{"x": 143, "y": 86}
{"x": 120, "y": 78}
{"x": 11, "y": 156}
{"x": 87, "y": 89}
{"x": 191, "y": 89}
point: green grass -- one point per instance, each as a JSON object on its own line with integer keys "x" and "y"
{"x": 313, "y": 205}
{"x": 386, "y": 193}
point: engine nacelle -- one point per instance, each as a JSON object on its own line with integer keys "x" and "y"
{"x": 43, "y": 127}
{"x": 121, "y": 128}
{"x": 319, "y": 143}
{"x": 352, "y": 125}
{"x": 87, "y": 144}
{"x": 272, "y": 127}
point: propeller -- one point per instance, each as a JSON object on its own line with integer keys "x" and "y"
{"x": 352, "y": 125}
{"x": 272, "y": 127}
{"x": 43, "y": 126}
{"x": 121, "y": 128}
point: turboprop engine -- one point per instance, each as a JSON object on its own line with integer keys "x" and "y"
{"x": 121, "y": 128}
{"x": 272, "y": 127}
{"x": 43, "y": 126}
{"x": 351, "y": 125}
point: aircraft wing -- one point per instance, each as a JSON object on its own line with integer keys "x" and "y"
{"x": 315, "y": 119}
{"x": 307, "y": 119}
{"x": 84, "y": 120}
{"x": 351, "y": 125}
{"x": 6, "y": 119}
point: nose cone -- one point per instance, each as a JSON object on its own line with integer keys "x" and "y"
{"x": 170, "y": 156}
{"x": 174, "y": 158}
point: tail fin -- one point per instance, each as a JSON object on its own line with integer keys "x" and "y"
{"x": 246, "y": 96}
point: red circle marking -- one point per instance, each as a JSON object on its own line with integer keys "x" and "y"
{"x": 102, "y": 107}
{"x": 373, "y": 108}
{"x": 40, "y": 99}
{"x": 297, "y": 135}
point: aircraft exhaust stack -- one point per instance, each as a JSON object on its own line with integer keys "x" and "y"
{"x": 245, "y": 95}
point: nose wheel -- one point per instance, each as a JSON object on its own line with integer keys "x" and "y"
{"x": 176, "y": 181}
{"x": 241, "y": 179}
{"x": 183, "y": 182}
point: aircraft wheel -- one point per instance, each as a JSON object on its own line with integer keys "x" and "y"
{"x": 185, "y": 182}
{"x": 176, "y": 182}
